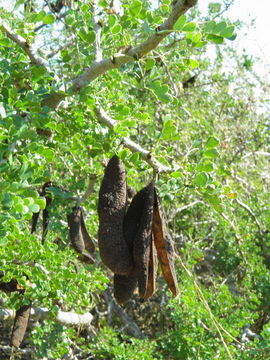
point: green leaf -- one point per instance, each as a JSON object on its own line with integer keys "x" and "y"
{"x": 189, "y": 27}
{"x": 193, "y": 64}
{"x": 200, "y": 179}
{"x": 5, "y": 42}
{"x": 207, "y": 167}
{"x": 34, "y": 208}
{"x": 215, "y": 38}
{"x": 38, "y": 72}
{"x": 135, "y": 7}
{"x": 112, "y": 20}
{"x": 48, "y": 19}
{"x": 48, "y": 154}
{"x": 169, "y": 131}
{"x": 116, "y": 29}
{"x": 211, "y": 143}
{"x": 149, "y": 64}
{"x": 211, "y": 153}
{"x": 41, "y": 203}
{"x": 40, "y": 15}
{"x": 135, "y": 157}
{"x": 176, "y": 174}
{"x": 180, "y": 23}
{"x": 69, "y": 20}
{"x": 220, "y": 27}
{"x": 90, "y": 37}
{"x": 228, "y": 32}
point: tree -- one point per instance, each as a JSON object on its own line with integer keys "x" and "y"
{"x": 81, "y": 81}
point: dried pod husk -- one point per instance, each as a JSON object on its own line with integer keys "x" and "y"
{"x": 88, "y": 242}
{"x": 142, "y": 241}
{"x": 45, "y": 213}
{"x": 11, "y": 286}
{"x": 20, "y": 325}
{"x": 133, "y": 216}
{"x": 35, "y": 217}
{"x": 124, "y": 287}
{"x": 114, "y": 251}
{"x": 163, "y": 244}
{"x": 75, "y": 234}
{"x": 152, "y": 271}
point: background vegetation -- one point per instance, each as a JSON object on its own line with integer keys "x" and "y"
{"x": 205, "y": 121}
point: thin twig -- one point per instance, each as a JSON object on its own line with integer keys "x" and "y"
{"x": 129, "y": 322}
{"x": 263, "y": 153}
{"x": 89, "y": 190}
{"x": 248, "y": 209}
{"x": 104, "y": 118}
{"x": 216, "y": 324}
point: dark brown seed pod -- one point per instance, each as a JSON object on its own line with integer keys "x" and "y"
{"x": 75, "y": 234}
{"x": 124, "y": 287}
{"x": 11, "y": 286}
{"x": 133, "y": 216}
{"x": 152, "y": 272}
{"x": 20, "y": 325}
{"x": 35, "y": 217}
{"x": 114, "y": 250}
{"x": 163, "y": 244}
{"x": 45, "y": 214}
{"x": 88, "y": 242}
{"x": 142, "y": 242}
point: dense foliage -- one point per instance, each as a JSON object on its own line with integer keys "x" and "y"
{"x": 206, "y": 119}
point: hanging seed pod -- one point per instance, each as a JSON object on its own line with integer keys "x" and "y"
{"x": 133, "y": 216}
{"x": 124, "y": 287}
{"x": 20, "y": 325}
{"x": 35, "y": 217}
{"x": 45, "y": 213}
{"x": 88, "y": 242}
{"x": 114, "y": 250}
{"x": 142, "y": 242}
{"x": 75, "y": 234}
{"x": 163, "y": 244}
{"x": 152, "y": 271}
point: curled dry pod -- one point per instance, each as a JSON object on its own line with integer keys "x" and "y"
{"x": 124, "y": 286}
{"x": 20, "y": 325}
{"x": 88, "y": 242}
{"x": 142, "y": 241}
{"x": 163, "y": 244}
{"x": 152, "y": 272}
{"x": 75, "y": 234}
{"x": 114, "y": 250}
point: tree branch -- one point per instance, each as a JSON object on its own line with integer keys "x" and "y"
{"x": 129, "y": 322}
{"x": 251, "y": 213}
{"x": 23, "y": 44}
{"x": 62, "y": 317}
{"x": 136, "y": 52}
{"x": 89, "y": 190}
{"x": 263, "y": 153}
{"x": 104, "y": 118}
